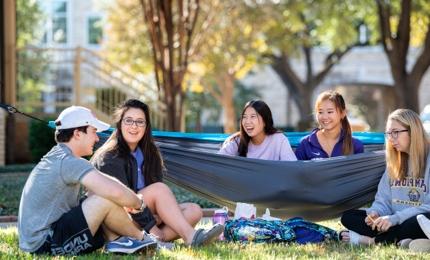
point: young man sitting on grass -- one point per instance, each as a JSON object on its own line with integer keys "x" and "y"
{"x": 52, "y": 218}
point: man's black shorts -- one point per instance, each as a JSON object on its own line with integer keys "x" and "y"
{"x": 70, "y": 235}
{"x": 145, "y": 219}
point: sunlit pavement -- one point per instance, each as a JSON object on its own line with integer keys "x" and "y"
{"x": 7, "y": 224}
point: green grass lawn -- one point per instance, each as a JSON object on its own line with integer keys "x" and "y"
{"x": 10, "y": 191}
{"x": 222, "y": 250}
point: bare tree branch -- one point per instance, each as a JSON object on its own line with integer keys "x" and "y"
{"x": 288, "y": 76}
{"x": 404, "y": 30}
{"x": 213, "y": 92}
{"x": 147, "y": 13}
{"x": 423, "y": 61}
{"x": 331, "y": 60}
{"x": 171, "y": 30}
{"x": 206, "y": 24}
{"x": 384, "y": 24}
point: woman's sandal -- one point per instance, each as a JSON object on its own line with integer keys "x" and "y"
{"x": 203, "y": 237}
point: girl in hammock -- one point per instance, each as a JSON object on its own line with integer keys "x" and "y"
{"x": 403, "y": 191}
{"x": 258, "y": 138}
{"x": 333, "y": 137}
{"x": 130, "y": 155}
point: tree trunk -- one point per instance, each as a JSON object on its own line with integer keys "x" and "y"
{"x": 306, "y": 119}
{"x": 171, "y": 25}
{"x": 174, "y": 103}
{"x": 230, "y": 123}
{"x": 406, "y": 85}
{"x": 300, "y": 91}
{"x": 407, "y": 94}
{"x": 170, "y": 102}
{"x": 396, "y": 46}
{"x": 226, "y": 85}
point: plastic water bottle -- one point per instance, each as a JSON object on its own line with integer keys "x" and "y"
{"x": 220, "y": 217}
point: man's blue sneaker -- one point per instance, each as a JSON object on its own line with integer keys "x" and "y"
{"x": 128, "y": 245}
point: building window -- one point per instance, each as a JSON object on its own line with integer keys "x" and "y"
{"x": 59, "y": 30}
{"x": 95, "y": 30}
{"x": 363, "y": 34}
{"x": 56, "y": 25}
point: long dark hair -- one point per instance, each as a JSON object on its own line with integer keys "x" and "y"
{"x": 153, "y": 166}
{"x": 264, "y": 111}
{"x": 339, "y": 103}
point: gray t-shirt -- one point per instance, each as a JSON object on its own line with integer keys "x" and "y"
{"x": 51, "y": 190}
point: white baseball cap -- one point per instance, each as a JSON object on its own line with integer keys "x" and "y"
{"x": 77, "y": 116}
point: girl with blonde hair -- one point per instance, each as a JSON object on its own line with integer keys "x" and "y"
{"x": 403, "y": 191}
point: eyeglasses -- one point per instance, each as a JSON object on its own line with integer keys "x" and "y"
{"x": 394, "y": 133}
{"x": 130, "y": 122}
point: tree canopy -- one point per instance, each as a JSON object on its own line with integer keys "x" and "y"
{"x": 28, "y": 17}
{"x": 294, "y": 29}
{"x": 223, "y": 40}
{"x": 232, "y": 46}
{"x": 403, "y": 24}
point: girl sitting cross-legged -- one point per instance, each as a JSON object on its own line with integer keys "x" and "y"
{"x": 131, "y": 156}
{"x": 403, "y": 191}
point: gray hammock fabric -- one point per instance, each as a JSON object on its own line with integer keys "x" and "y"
{"x": 315, "y": 190}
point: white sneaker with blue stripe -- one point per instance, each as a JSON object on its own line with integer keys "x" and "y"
{"x": 128, "y": 245}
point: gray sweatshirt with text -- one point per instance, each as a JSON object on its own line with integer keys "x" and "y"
{"x": 402, "y": 199}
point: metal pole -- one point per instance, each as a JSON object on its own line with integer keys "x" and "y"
{"x": 9, "y": 22}
{"x": 77, "y": 77}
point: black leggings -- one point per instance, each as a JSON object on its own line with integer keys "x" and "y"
{"x": 354, "y": 220}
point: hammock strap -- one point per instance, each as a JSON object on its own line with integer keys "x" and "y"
{"x": 13, "y": 110}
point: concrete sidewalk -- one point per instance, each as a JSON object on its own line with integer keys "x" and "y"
{"x": 7, "y": 224}
{"x": 8, "y": 221}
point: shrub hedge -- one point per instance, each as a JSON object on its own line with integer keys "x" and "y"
{"x": 41, "y": 139}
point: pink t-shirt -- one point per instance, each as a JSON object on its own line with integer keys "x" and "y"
{"x": 275, "y": 147}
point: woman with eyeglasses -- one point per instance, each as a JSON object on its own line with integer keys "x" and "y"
{"x": 258, "y": 138}
{"x": 333, "y": 137}
{"x": 131, "y": 156}
{"x": 403, "y": 191}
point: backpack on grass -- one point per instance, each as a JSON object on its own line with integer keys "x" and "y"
{"x": 309, "y": 232}
{"x": 272, "y": 231}
{"x": 258, "y": 230}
